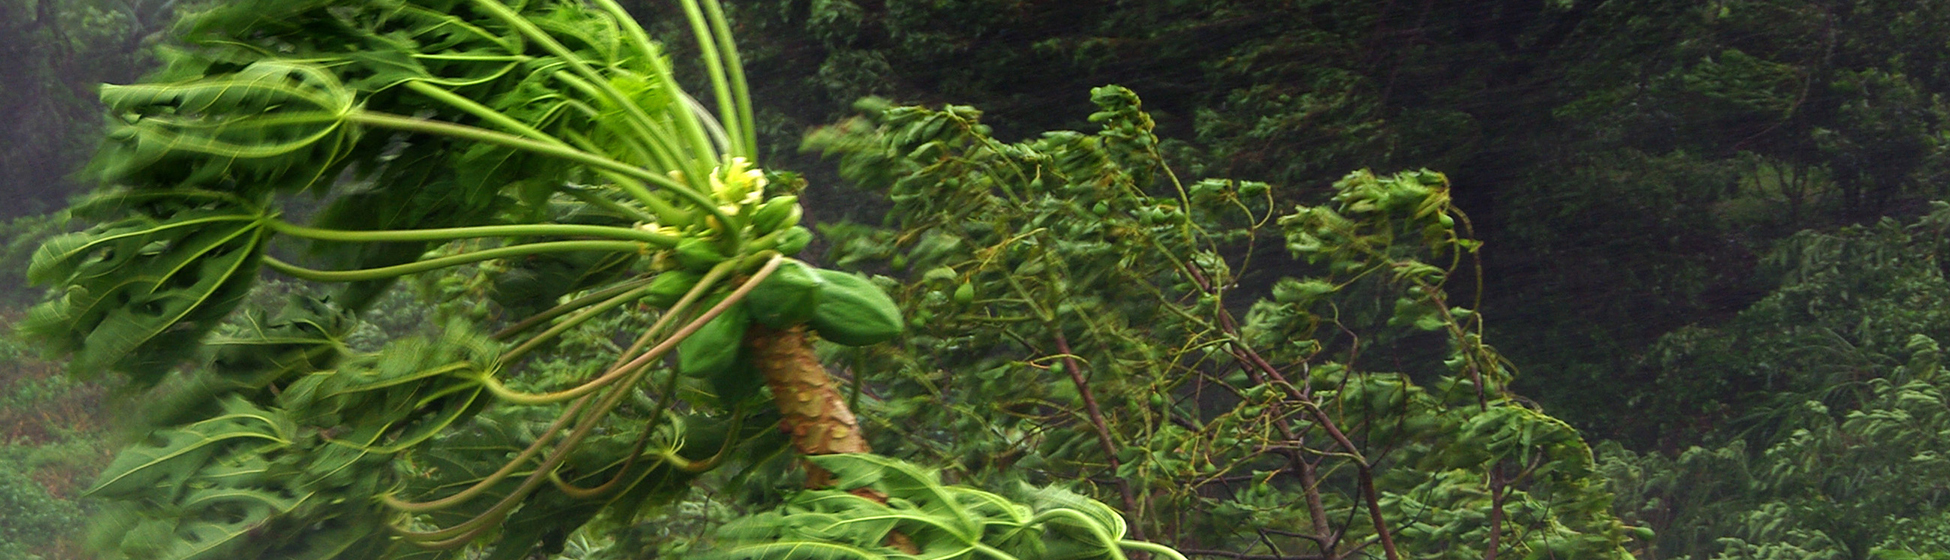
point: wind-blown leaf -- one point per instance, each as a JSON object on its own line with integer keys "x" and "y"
{"x": 223, "y": 523}
{"x": 170, "y": 456}
{"x": 272, "y": 124}
{"x": 902, "y": 481}
{"x": 1047, "y": 498}
{"x": 305, "y": 336}
{"x": 800, "y": 550}
{"x": 140, "y": 291}
{"x": 828, "y": 524}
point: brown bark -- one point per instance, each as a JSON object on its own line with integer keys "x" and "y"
{"x": 811, "y": 408}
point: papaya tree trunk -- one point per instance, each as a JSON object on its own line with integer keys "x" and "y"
{"x": 812, "y": 410}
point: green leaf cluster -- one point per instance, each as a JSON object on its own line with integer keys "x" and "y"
{"x": 1829, "y": 393}
{"x": 1080, "y": 314}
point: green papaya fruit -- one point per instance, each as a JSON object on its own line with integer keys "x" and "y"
{"x": 715, "y": 347}
{"x": 670, "y": 286}
{"x": 788, "y": 297}
{"x": 854, "y": 312}
{"x": 776, "y": 214}
{"x": 794, "y": 239}
{"x": 788, "y": 241}
{"x": 738, "y": 383}
{"x": 699, "y": 254}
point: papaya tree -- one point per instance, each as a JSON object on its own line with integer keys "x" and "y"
{"x": 539, "y": 162}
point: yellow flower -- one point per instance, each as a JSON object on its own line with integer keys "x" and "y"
{"x": 738, "y": 184}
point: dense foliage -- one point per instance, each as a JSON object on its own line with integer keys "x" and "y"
{"x": 1076, "y": 314}
{"x": 1629, "y": 161}
{"x": 1833, "y": 393}
{"x": 1082, "y": 315}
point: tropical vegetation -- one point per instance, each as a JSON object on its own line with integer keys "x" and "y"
{"x": 478, "y": 278}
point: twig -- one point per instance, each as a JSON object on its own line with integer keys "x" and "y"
{"x": 1104, "y": 439}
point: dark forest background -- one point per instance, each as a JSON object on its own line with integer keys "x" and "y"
{"x": 1710, "y": 233}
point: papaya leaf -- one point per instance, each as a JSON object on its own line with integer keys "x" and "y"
{"x": 903, "y": 481}
{"x": 797, "y": 550}
{"x": 168, "y": 457}
{"x": 305, "y": 336}
{"x": 1048, "y": 498}
{"x": 273, "y": 124}
{"x": 139, "y": 292}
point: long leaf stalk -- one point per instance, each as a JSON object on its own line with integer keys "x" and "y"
{"x": 617, "y": 369}
{"x": 466, "y": 531}
{"x": 395, "y": 271}
{"x": 647, "y": 137}
{"x": 668, "y": 454}
{"x": 569, "y": 307}
{"x": 622, "y": 368}
{"x": 744, "y": 126}
{"x": 658, "y": 240}
{"x": 573, "y": 321}
{"x": 693, "y": 126}
{"x": 734, "y": 237}
{"x": 715, "y": 68}
{"x": 485, "y": 113}
{"x": 591, "y": 197}
{"x": 509, "y": 468}
{"x": 703, "y": 150}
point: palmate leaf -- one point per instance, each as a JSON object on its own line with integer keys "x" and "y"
{"x": 906, "y": 482}
{"x": 273, "y": 124}
{"x": 224, "y": 521}
{"x": 396, "y": 398}
{"x": 168, "y": 457}
{"x": 380, "y": 40}
{"x": 305, "y": 336}
{"x": 138, "y": 292}
{"x": 231, "y": 507}
{"x": 1047, "y": 498}
{"x": 943, "y": 522}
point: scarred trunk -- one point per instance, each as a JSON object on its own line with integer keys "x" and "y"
{"x": 811, "y": 407}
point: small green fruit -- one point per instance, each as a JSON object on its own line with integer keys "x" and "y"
{"x": 670, "y": 286}
{"x": 965, "y": 295}
{"x": 793, "y": 240}
{"x": 777, "y": 213}
{"x": 698, "y": 254}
